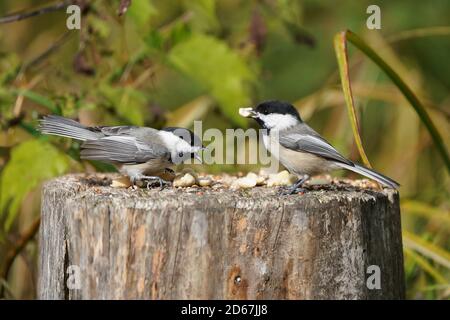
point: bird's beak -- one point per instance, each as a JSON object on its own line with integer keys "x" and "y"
{"x": 248, "y": 112}
{"x": 197, "y": 156}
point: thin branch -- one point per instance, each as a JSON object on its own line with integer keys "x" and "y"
{"x": 24, "y": 15}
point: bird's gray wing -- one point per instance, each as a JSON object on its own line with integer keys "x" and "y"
{"x": 120, "y": 130}
{"x": 122, "y": 149}
{"x": 305, "y": 139}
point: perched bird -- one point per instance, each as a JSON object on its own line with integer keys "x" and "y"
{"x": 300, "y": 149}
{"x": 140, "y": 153}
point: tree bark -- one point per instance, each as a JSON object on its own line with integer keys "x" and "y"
{"x": 200, "y": 243}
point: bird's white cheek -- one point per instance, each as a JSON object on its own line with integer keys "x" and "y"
{"x": 278, "y": 121}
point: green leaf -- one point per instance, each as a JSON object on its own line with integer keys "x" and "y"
{"x": 176, "y": 33}
{"x": 140, "y": 12}
{"x": 215, "y": 66}
{"x": 127, "y": 101}
{"x": 291, "y": 16}
{"x": 290, "y": 10}
{"x": 204, "y": 11}
{"x": 340, "y": 40}
{"x": 99, "y": 26}
{"x": 179, "y": 32}
{"x": 154, "y": 40}
{"x": 32, "y": 162}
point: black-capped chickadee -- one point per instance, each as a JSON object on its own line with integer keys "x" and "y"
{"x": 138, "y": 152}
{"x": 300, "y": 149}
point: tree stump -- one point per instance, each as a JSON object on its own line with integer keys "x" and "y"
{"x": 98, "y": 242}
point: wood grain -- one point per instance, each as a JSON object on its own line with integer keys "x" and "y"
{"x": 217, "y": 244}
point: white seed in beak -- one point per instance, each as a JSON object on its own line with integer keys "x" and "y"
{"x": 246, "y": 112}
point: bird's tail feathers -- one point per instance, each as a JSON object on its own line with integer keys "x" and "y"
{"x": 60, "y": 126}
{"x": 369, "y": 173}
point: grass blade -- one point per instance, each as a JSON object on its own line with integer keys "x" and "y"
{"x": 340, "y": 46}
{"x": 417, "y": 208}
{"x": 340, "y": 40}
{"x": 426, "y": 266}
{"x": 426, "y": 248}
{"x": 419, "y": 33}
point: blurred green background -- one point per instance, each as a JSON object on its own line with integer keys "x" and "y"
{"x": 172, "y": 62}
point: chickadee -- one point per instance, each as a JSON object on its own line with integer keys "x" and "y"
{"x": 138, "y": 152}
{"x": 300, "y": 149}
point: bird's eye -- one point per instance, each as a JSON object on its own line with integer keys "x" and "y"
{"x": 181, "y": 154}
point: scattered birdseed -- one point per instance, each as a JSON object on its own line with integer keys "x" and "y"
{"x": 186, "y": 180}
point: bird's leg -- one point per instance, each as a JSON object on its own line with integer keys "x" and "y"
{"x": 296, "y": 187}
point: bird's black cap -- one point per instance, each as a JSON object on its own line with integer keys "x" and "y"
{"x": 280, "y": 107}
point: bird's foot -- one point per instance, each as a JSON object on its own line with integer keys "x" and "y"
{"x": 151, "y": 181}
{"x": 169, "y": 171}
{"x": 295, "y": 188}
{"x": 290, "y": 190}
{"x": 157, "y": 180}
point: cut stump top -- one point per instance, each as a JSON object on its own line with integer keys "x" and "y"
{"x": 98, "y": 186}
